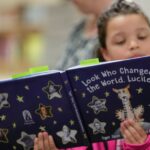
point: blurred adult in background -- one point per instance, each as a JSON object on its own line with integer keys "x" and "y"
{"x": 83, "y": 42}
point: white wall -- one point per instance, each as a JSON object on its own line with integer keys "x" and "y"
{"x": 145, "y": 5}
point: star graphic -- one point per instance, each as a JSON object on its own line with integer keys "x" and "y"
{"x": 4, "y": 100}
{"x": 97, "y": 126}
{"x": 71, "y": 122}
{"x": 27, "y": 87}
{"x": 14, "y": 125}
{"x": 42, "y": 128}
{"x": 38, "y": 97}
{"x": 67, "y": 135}
{"x": 66, "y": 81}
{"x": 113, "y": 123}
{"x": 55, "y": 122}
{"x": 60, "y": 109}
{"x": 83, "y": 95}
{"x": 14, "y": 147}
{"x": 52, "y": 90}
{"x": 20, "y": 99}
{"x": 3, "y": 135}
{"x": 87, "y": 112}
{"x": 75, "y": 90}
{"x": 76, "y": 78}
{"x": 139, "y": 91}
{"x": 3, "y": 117}
{"x": 26, "y": 140}
{"x": 44, "y": 111}
{"x": 107, "y": 94}
{"x": 97, "y": 105}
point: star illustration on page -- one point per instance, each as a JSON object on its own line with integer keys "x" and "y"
{"x": 38, "y": 97}
{"x": 67, "y": 135}
{"x": 71, "y": 122}
{"x": 20, "y": 99}
{"x": 83, "y": 95}
{"x": 97, "y": 105}
{"x": 27, "y": 87}
{"x": 76, "y": 78}
{"x": 4, "y": 100}
{"x": 52, "y": 90}
{"x": 54, "y": 122}
{"x": 44, "y": 111}
{"x": 3, "y": 117}
{"x": 113, "y": 123}
{"x": 139, "y": 90}
{"x": 14, "y": 125}
{"x": 107, "y": 94}
{"x": 60, "y": 109}
{"x": 97, "y": 126}
{"x": 3, "y": 135}
{"x": 26, "y": 140}
{"x": 42, "y": 128}
{"x": 14, "y": 147}
{"x": 66, "y": 81}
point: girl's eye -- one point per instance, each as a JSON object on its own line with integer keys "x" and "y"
{"x": 142, "y": 37}
{"x": 120, "y": 42}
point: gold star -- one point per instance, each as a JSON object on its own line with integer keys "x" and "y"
{"x": 60, "y": 109}
{"x": 76, "y": 78}
{"x": 113, "y": 123}
{"x": 20, "y": 99}
{"x": 107, "y": 94}
{"x": 71, "y": 122}
{"x": 38, "y": 97}
{"x": 139, "y": 91}
{"x": 14, "y": 147}
{"x": 3, "y": 117}
{"x": 27, "y": 87}
{"x": 87, "y": 111}
{"x": 66, "y": 82}
{"x": 14, "y": 125}
{"x": 42, "y": 128}
{"x": 75, "y": 90}
{"x": 55, "y": 122}
{"x": 83, "y": 95}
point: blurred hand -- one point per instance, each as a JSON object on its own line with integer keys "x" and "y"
{"x": 44, "y": 142}
{"x": 132, "y": 132}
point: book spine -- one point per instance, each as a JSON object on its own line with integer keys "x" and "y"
{"x": 74, "y": 105}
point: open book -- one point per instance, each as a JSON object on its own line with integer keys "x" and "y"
{"x": 78, "y": 106}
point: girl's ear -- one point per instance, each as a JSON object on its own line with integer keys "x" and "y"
{"x": 105, "y": 54}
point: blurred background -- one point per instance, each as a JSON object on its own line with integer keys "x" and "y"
{"x": 34, "y": 33}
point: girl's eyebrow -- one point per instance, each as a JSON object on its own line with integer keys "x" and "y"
{"x": 118, "y": 34}
{"x": 143, "y": 28}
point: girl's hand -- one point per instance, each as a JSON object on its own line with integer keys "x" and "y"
{"x": 44, "y": 142}
{"x": 132, "y": 132}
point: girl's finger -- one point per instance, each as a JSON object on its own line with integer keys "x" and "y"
{"x": 36, "y": 144}
{"x": 40, "y": 141}
{"x": 127, "y": 134}
{"x": 52, "y": 143}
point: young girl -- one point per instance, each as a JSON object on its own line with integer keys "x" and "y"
{"x": 124, "y": 32}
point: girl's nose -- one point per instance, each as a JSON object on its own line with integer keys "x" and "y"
{"x": 134, "y": 45}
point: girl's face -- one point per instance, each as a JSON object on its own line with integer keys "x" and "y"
{"x": 127, "y": 36}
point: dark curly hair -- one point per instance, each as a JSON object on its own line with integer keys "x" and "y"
{"x": 121, "y": 7}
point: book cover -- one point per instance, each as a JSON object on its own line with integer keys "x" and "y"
{"x": 108, "y": 93}
{"x": 38, "y": 103}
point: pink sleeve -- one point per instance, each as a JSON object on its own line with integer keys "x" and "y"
{"x": 144, "y": 146}
{"x": 76, "y": 148}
